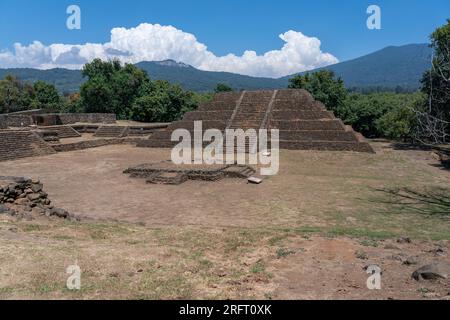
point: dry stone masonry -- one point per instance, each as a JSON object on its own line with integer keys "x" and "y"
{"x": 112, "y": 131}
{"x": 22, "y": 143}
{"x": 166, "y": 172}
{"x": 63, "y": 131}
{"x": 304, "y": 123}
{"x": 25, "y": 198}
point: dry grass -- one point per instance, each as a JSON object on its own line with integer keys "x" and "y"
{"x": 186, "y": 242}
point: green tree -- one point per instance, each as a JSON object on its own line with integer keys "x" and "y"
{"x": 45, "y": 96}
{"x": 72, "y": 103}
{"x": 15, "y": 95}
{"x": 400, "y": 120}
{"x": 162, "y": 102}
{"x": 376, "y": 115}
{"x": 111, "y": 87}
{"x": 324, "y": 87}
{"x": 223, "y": 87}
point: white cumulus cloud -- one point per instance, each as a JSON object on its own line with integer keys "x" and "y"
{"x": 154, "y": 42}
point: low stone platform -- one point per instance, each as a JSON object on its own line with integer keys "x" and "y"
{"x": 166, "y": 172}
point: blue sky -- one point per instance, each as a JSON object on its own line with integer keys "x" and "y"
{"x": 230, "y": 26}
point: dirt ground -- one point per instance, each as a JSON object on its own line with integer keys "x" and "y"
{"x": 306, "y": 233}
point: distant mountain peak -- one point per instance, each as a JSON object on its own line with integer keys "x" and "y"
{"x": 387, "y": 68}
{"x": 172, "y": 63}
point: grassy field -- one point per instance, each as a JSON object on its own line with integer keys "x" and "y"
{"x": 326, "y": 209}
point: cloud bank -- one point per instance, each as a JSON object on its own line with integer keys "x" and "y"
{"x": 153, "y": 42}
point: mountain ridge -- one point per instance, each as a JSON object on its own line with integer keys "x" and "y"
{"x": 389, "y": 68}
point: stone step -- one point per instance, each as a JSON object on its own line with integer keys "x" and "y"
{"x": 298, "y": 106}
{"x": 255, "y": 108}
{"x": 22, "y": 144}
{"x": 227, "y": 96}
{"x": 329, "y": 124}
{"x": 111, "y": 131}
{"x": 167, "y": 134}
{"x": 208, "y": 115}
{"x": 63, "y": 131}
{"x": 207, "y": 124}
{"x": 318, "y": 135}
{"x": 85, "y": 128}
{"x": 326, "y": 145}
{"x": 217, "y": 106}
{"x": 294, "y": 95}
{"x": 302, "y": 115}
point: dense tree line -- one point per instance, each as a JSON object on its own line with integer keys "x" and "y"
{"x": 17, "y": 96}
{"x": 110, "y": 88}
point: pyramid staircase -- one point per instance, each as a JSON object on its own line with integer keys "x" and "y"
{"x": 214, "y": 115}
{"x": 303, "y": 123}
{"x": 63, "y": 131}
{"x": 15, "y": 144}
{"x": 112, "y": 132}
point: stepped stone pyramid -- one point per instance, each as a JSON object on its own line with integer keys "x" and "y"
{"x": 303, "y": 123}
{"x": 21, "y": 144}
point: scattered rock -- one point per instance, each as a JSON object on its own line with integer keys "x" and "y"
{"x": 396, "y": 257}
{"x": 3, "y": 209}
{"x": 410, "y": 261}
{"x": 431, "y": 272}
{"x": 254, "y": 180}
{"x": 33, "y": 196}
{"x": 431, "y": 295}
{"x": 60, "y": 213}
{"x": 361, "y": 255}
{"x": 404, "y": 240}
{"x": 36, "y": 187}
{"x": 37, "y": 211}
{"x": 438, "y": 252}
{"x": 390, "y": 246}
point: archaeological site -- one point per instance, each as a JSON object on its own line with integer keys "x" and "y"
{"x": 112, "y": 186}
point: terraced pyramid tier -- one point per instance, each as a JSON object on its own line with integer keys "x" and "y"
{"x": 15, "y": 144}
{"x": 112, "y": 131}
{"x": 303, "y": 123}
{"x": 63, "y": 131}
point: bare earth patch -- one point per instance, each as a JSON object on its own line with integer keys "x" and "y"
{"x": 306, "y": 233}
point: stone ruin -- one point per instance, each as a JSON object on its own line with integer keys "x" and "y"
{"x": 33, "y": 133}
{"x": 304, "y": 123}
{"x": 166, "y": 172}
{"x": 25, "y": 198}
{"x": 16, "y": 144}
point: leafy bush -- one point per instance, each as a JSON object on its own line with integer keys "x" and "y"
{"x": 222, "y": 87}
{"x": 18, "y": 96}
{"x": 376, "y": 115}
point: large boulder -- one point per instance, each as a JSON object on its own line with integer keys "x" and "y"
{"x": 432, "y": 271}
